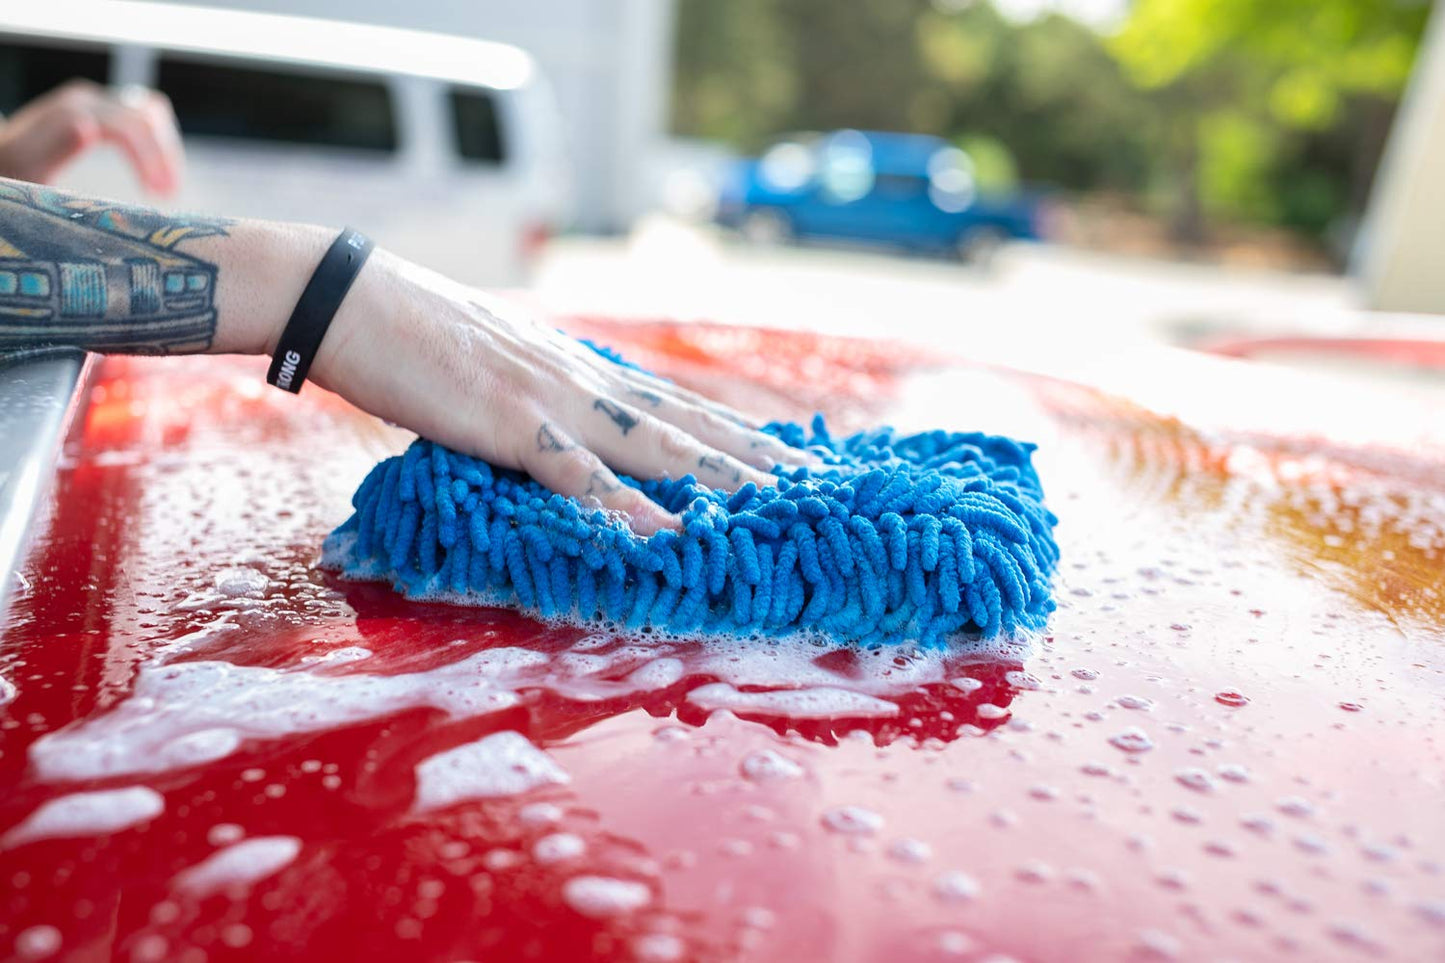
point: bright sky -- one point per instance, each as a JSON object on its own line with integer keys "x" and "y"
{"x": 1101, "y": 13}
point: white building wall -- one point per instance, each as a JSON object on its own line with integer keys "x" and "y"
{"x": 1403, "y": 241}
{"x": 609, "y": 62}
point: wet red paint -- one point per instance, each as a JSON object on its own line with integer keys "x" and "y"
{"x": 1265, "y": 609}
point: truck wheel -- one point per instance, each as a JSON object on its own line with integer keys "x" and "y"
{"x": 980, "y": 246}
{"x": 765, "y": 226}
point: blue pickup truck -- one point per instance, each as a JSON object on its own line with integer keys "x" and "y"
{"x": 903, "y": 190}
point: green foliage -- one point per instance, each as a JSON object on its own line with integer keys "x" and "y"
{"x": 994, "y": 169}
{"x": 1264, "y": 110}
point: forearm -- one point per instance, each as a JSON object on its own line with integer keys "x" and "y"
{"x": 93, "y": 274}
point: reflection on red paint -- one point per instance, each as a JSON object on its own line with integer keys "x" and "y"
{"x": 1225, "y": 747}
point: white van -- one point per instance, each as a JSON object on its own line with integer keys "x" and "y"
{"x": 445, "y": 149}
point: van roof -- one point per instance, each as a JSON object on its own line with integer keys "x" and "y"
{"x": 274, "y": 37}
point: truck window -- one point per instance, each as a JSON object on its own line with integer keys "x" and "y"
{"x": 474, "y": 117}
{"x": 27, "y": 71}
{"x": 215, "y": 99}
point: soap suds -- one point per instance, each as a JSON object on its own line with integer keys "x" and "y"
{"x": 88, "y": 814}
{"x": 819, "y": 702}
{"x": 239, "y": 865}
{"x": 190, "y": 713}
{"x": 502, "y": 764}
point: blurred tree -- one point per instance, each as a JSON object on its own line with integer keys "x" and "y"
{"x": 1262, "y": 91}
{"x": 1273, "y": 111}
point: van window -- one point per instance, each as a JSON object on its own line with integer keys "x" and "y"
{"x": 28, "y": 71}
{"x": 474, "y": 116}
{"x": 217, "y": 99}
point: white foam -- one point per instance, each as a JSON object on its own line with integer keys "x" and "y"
{"x": 241, "y": 581}
{"x": 818, "y": 702}
{"x": 88, "y": 814}
{"x": 193, "y": 712}
{"x": 189, "y": 713}
{"x": 7, "y": 691}
{"x": 602, "y": 896}
{"x": 239, "y": 865}
{"x": 502, "y": 764}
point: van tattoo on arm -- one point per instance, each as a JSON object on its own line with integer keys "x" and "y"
{"x": 102, "y": 276}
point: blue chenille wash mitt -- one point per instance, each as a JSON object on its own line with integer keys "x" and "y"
{"x": 896, "y": 540}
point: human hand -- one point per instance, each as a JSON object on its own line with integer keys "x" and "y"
{"x": 473, "y": 372}
{"x": 45, "y": 135}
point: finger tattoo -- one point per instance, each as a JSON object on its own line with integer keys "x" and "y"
{"x": 651, "y": 397}
{"x": 715, "y": 463}
{"x": 548, "y": 440}
{"x": 624, "y": 421}
{"x": 601, "y": 483}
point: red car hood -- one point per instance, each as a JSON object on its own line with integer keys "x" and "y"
{"x": 1228, "y": 746}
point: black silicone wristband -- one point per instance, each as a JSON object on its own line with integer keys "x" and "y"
{"x": 324, "y": 293}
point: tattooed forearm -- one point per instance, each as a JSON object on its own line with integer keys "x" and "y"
{"x": 619, "y": 415}
{"x": 103, "y": 276}
{"x": 549, "y": 440}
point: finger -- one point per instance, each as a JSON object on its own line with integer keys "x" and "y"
{"x": 137, "y": 134}
{"x": 643, "y": 446}
{"x": 559, "y": 463}
{"x": 167, "y": 132}
{"x": 761, "y": 451}
{"x": 713, "y": 424}
{"x": 645, "y": 390}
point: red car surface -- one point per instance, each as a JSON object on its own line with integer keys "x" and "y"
{"x": 1230, "y": 744}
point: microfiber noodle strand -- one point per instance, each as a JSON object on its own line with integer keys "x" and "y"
{"x": 897, "y": 539}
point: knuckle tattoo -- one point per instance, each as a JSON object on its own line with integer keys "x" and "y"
{"x": 719, "y": 465}
{"x": 549, "y": 441}
{"x": 624, "y": 421}
{"x": 602, "y": 483}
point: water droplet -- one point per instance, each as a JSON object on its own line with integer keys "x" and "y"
{"x": 1233, "y": 772}
{"x": 539, "y": 814}
{"x": 1189, "y": 817}
{"x": 990, "y": 711}
{"x": 1257, "y": 823}
{"x": 1220, "y": 848}
{"x": 1035, "y": 871}
{"x": 1294, "y": 806}
{"x": 1195, "y": 779}
{"x": 37, "y": 941}
{"x": 1135, "y": 702}
{"x": 1044, "y": 793}
{"x": 759, "y": 918}
{"x": 955, "y": 886}
{"x": 1351, "y": 706}
{"x": 910, "y": 850}
{"x": 1087, "y": 675}
{"x": 658, "y": 948}
{"x": 558, "y": 847}
{"x": 1158, "y": 945}
{"x": 852, "y": 821}
{"x": 954, "y": 943}
{"x": 765, "y": 765}
{"x": 1232, "y": 698}
{"x": 1132, "y": 739}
